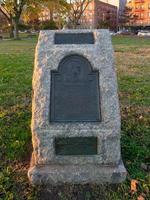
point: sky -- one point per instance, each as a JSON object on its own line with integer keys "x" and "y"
{"x": 113, "y": 2}
{"x": 118, "y": 3}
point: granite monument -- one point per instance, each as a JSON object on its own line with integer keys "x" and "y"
{"x": 75, "y": 110}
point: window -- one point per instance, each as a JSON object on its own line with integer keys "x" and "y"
{"x": 136, "y": 7}
{"x": 138, "y": 16}
{"x": 90, "y": 7}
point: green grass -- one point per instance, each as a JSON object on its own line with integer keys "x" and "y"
{"x": 133, "y": 70}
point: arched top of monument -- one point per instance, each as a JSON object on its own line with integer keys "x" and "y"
{"x": 75, "y": 60}
{"x": 75, "y": 90}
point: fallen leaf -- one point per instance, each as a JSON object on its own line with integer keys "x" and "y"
{"x": 134, "y": 185}
{"x": 140, "y": 198}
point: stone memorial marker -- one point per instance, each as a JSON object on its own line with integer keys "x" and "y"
{"x": 75, "y": 110}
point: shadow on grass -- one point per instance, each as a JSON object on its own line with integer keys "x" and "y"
{"x": 77, "y": 192}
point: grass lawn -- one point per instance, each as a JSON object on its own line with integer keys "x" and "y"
{"x": 133, "y": 69}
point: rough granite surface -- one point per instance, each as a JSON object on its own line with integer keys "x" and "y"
{"x": 106, "y": 166}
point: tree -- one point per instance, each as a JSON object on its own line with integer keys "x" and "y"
{"x": 30, "y": 16}
{"x": 77, "y": 8}
{"x": 8, "y": 18}
{"x": 127, "y": 18}
{"x": 14, "y": 9}
{"x": 105, "y": 22}
{"x": 57, "y": 10}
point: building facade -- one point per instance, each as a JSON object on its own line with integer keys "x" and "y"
{"x": 3, "y": 19}
{"x": 44, "y": 15}
{"x": 119, "y": 3}
{"x": 141, "y": 9}
{"x": 99, "y": 15}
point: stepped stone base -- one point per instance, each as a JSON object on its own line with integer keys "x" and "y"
{"x": 76, "y": 174}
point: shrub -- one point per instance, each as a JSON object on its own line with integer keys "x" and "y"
{"x": 48, "y": 25}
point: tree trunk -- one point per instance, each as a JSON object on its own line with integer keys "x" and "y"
{"x": 16, "y": 30}
{"x": 51, "y": 15}
{"x": 75, "y": 24}
{"x": 11, "y": 33}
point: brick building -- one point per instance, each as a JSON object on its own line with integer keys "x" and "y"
{"x": 99, "y": 15}
{"x": 3, "y": 19}
{"x": 140, "y": 8}
{"x": 44, "y": 15}
{"x": 120, "y": 5}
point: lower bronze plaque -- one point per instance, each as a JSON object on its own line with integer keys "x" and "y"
{"x": 76, "y": 146}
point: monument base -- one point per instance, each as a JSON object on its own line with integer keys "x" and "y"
{"x": 76, "y": 174}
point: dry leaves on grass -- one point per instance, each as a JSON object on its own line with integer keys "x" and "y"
{"x": 140, "y": 198}
{"x": 134, "y": 186}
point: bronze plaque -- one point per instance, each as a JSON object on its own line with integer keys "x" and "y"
{"x": 74, "y": 38}
{"x": 75, "y": 91}
{"x": 76, "y": 146}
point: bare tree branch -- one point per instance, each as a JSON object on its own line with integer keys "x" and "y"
{"x": 77, "y": 8}
{"x": 5, "y": 12}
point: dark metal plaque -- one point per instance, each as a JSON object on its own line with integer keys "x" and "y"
{"x": 74, "y": 91}
{"x": 76, "y": 146}
{"x": 74, "y": 38}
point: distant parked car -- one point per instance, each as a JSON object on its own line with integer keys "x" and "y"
{"x": 112, "y": 33}
{"x": 34, "y": 32}
{"x": 125, "y": 32}
{"x": 144, "y": 33}
{"x": 21, "y": 31}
